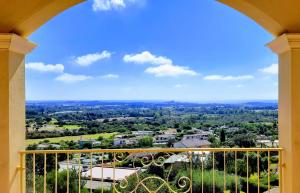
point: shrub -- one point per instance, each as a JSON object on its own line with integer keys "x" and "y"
{"x": 208, "y": 181}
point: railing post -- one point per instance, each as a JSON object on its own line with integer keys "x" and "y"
{"x": 22, "y": 173}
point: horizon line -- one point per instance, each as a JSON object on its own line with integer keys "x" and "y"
{"x": 152, "y": 100}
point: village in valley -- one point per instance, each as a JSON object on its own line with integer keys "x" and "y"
{"x": 136, "y": 127}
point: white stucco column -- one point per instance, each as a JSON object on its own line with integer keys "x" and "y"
{"x": 287, "y": 47}
{"x": 12, "y": 109}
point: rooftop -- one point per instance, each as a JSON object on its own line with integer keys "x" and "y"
{"x": 192, "y": 143}
{"x": 99, "y": 173}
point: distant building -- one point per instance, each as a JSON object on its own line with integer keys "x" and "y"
{"x": 203, "y": 135}
{"x": 64, "y": 165}
{"x": 170, "y": 131}
{"x": 232, "y": 129}
{"x": 43, "y": 146}
{"x": 164, "y": 138}
{"x": 177, "y": 158}
{"x": 121, "y": 141}
{"x": 192, "y": 143}
{"x": 261, "y": 137}
{"x": 224, "y": 127}
{"x": 143, "y": 133}
{"x": 267, "y": 143}
{"x": 88, "y": 143}
{"x": 107, "y": 175}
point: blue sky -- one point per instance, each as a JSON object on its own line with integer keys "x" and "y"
{"x": 185, "y": 50}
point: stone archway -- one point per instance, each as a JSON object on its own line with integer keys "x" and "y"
{"x": 21, "y": 18}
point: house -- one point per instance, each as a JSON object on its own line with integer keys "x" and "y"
{"x": 267, "y": 143}
{"x": 121, "y": 141}
{"x": 192, "y": 143}
{"x": 170, "y": 131}
{"x": 64, "y": 165}
{"x": 143, "y": 133}
{"x": 233, "y": 129}
{"x": 90, "y": 143}
{"x": 177, "y": 158}
{"x": 107, "y": 175}
{"x": 47, "y": 146}
{"x": 164, "y": 138}
{"x": 203, "y": 135}
{"x": 261, "y": 137}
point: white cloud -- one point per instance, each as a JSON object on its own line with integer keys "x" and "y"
{"x": 107, "y": 5}
{"x": 88, "y": 59}
{"x": 165, "y": 65}
{"x": 272, "y": 69}
{"x": 110, "y": 76}
{"x": 221, "y": 77}
{"x": 170, "y": 70}
{"x": 240, "y": 86}
{"x": 41, "y": 67}
{"x": 179, "y": 85}
{"x": 72, "y": 78}
{"x": 146, "y": 58}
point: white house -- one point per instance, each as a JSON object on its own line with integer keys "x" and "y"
{"x": 164, "y": 138}
{"x": 107, "y": 175}
{"x": 203, "y": 135}
{"x": 142, "y": 133}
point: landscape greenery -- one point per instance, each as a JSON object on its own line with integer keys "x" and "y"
{"x": 51, "y": 120}
{"x": 63, "y": 123}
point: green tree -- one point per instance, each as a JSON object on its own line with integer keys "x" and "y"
{"x": 222, "y": 136}
{"x": 145, "y": 142}
{"x": 241, "y": 140}
{"x": 61, "y": 182}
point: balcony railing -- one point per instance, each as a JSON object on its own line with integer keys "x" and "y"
{"x": 196, "y": 170}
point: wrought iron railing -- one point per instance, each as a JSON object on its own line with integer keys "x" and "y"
{"x": 196, "y": 170}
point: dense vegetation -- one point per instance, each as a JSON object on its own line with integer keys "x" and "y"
{"x": 231, "y": 125}
{"x": 241, "y": 122}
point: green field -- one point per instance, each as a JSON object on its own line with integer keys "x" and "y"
{"x": 69, "y": 138}
{"x": 53, "y": 127}
{"x": 70, "y": 127}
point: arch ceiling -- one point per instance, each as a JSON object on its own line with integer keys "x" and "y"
{"x": 23, "y": 17}
{"x": 276, "y": 16}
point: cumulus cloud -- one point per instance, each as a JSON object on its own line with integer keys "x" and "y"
{"x": 110, "y": 76}
{"x": 41, "y": 67}
{"x": 72, "y": 78}
{"x": 165, "y": 66}
{"x": 170, "y": 70}
{"x": 146, "y": 58}
{"x": 89, "y": 59}
{"x": 107, "y": 5}
{"x": 272, "y": 69}
{"x": 221, "y": 77}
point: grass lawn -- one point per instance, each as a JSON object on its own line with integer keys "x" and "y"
{"x": 70, "y": 127}
{"x": 69, "y": 138}
{"x": 52, "y": 127}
